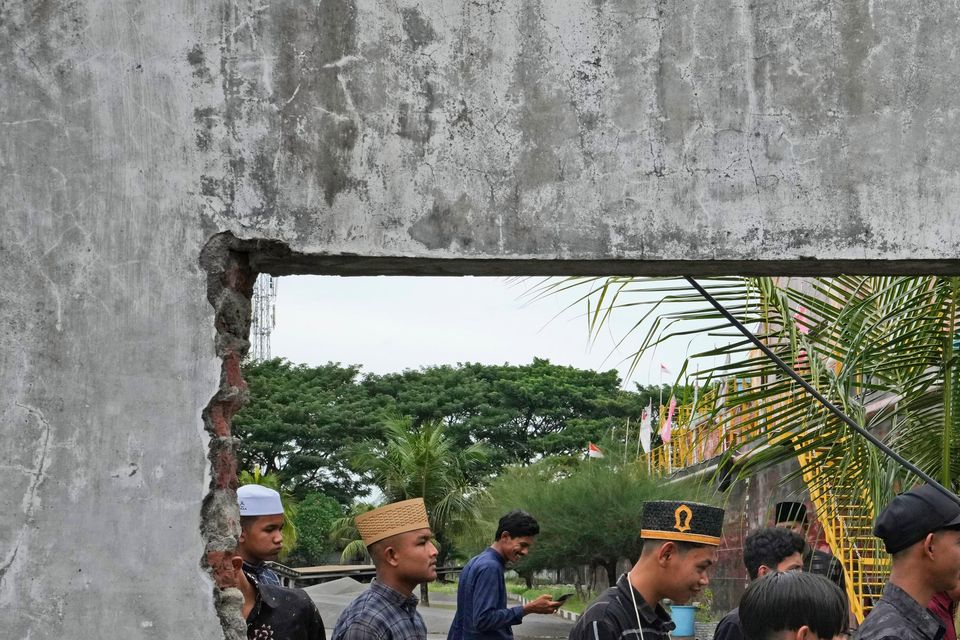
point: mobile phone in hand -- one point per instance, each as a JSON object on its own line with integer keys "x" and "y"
{"x": 564, "y": 597}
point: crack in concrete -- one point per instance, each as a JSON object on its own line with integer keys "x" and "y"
{"x": 29, "y": 502}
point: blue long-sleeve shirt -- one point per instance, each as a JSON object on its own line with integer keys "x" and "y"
{"x": 482, "y": 612}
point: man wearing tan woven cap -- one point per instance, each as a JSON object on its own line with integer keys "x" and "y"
{"x": 397, "y": 537}
{"x": 680, "y": 541}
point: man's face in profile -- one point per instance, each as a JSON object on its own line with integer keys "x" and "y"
{"x": 416, "y": 556}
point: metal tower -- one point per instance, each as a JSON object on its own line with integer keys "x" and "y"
{"x": 264, "y": 303}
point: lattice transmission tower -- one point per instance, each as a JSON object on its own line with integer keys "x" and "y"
{"x": 264, "y": 303}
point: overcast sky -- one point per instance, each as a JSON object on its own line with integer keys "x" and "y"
{"x": 390, "y": 324}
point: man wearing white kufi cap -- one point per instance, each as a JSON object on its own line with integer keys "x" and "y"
{"x": 261, "y": 521}
{"x": 398, "y": 539}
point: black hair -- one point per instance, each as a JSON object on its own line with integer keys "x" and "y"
{"x": 769, "y": 547}
{"x": 790, "y": 600}
{"x": 650, "y": 544}
{"x": 517, "y": 524}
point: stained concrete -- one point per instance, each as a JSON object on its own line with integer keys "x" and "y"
{"x": 357, "y": 136}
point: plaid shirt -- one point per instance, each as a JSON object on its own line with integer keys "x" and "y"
{"x": 380, "y": 613}
{"x": 261, "y": 574}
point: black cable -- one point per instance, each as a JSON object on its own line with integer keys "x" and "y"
{"x": 906, "y": 464}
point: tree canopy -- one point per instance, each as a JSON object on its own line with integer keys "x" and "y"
{"x": 302, "y": 421}
{"x": 589, "y": 511}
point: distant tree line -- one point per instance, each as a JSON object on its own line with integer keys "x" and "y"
{"x": 325, "y": 433}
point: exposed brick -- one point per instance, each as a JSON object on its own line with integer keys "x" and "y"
{"x": 220, "y": 568}
{"x": 231, "y": 368}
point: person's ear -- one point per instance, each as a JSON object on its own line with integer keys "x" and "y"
{"x": 390, "y": 556}
{"x": 666, "y": 551}
{"x": 762, "y": 570}
{"x": 237, "y": 563}
{"x": 803, "y": 633}
{"x": 928, "y": 544}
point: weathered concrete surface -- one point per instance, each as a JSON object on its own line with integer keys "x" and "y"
{"x": 364, "y": 136}
{"x": 724, "y": 131}
{"x": 106, "y": 337}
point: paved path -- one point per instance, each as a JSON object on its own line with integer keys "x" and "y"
{"x": 332, "y": 597}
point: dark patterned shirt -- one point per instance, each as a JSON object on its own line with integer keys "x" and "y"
{"x": 281, "y": 613}
{"x": 897, "y": 616}
{"x": 261, "y": 574}
{"x": 612, "y": 616}
{"x": 380, "y": 613}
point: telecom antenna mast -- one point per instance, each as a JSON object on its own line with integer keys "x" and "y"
{"x": 264, "y": 303}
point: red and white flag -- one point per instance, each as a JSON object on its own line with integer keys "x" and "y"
{"x": 664, "y": 369}
{"x": 803, "y": 324}
{"x": 646, "y": 426}
{"x": 593, "y": 451}
{"x": 667, "y": 429}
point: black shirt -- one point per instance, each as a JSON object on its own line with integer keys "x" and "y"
{"x": 899, "y": 617}
{"x": 824, "y": 564}
{"x": 612, "y": 615}
{"x": 729, "y": 627}
{"x": 281, "y": 613}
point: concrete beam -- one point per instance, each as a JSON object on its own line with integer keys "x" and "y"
{"x": 760, "y": 136}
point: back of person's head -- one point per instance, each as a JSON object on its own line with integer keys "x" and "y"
{"x": 768, "y": 548}
{"x": 804, "y": 606}
{"x": 517, "y": 524}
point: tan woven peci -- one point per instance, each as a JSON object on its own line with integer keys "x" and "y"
{"x": 392, "y": 519}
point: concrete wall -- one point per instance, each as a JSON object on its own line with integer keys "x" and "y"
{"x": 357, "y": 136}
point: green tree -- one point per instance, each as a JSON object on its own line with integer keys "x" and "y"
{"x": 314, "y": 519}
{"x": 301, "y": 420}
{"x": 421, "y": 462}
{"x": 589, "y": 511}
{"x": 522, "y": 412}
{"x": 344, "y": 535}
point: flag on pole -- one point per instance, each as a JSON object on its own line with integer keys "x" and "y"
{"x": 803, "y": 324}
{"x": 664, "y": 369}
{"x": 593, "y": 451}
{"x": 667, "y": 430}
{"x": 646, "y": 426}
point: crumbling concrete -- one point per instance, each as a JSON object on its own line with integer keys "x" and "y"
{"x": 357, "y": 136}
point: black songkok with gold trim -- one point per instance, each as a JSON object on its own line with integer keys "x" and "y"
{"x": 681, "y": 522}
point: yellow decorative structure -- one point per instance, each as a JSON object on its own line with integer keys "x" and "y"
{"x": 845, "y": 513}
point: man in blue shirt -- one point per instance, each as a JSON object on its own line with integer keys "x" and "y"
{"x": 482, "y": 612}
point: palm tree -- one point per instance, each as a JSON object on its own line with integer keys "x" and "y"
{"x": 421, "y": 462}
{"x": 344, "y": 534}
{"x": 881, "y": 348}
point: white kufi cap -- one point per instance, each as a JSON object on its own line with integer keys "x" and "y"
{"x": 257, "y": 500}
